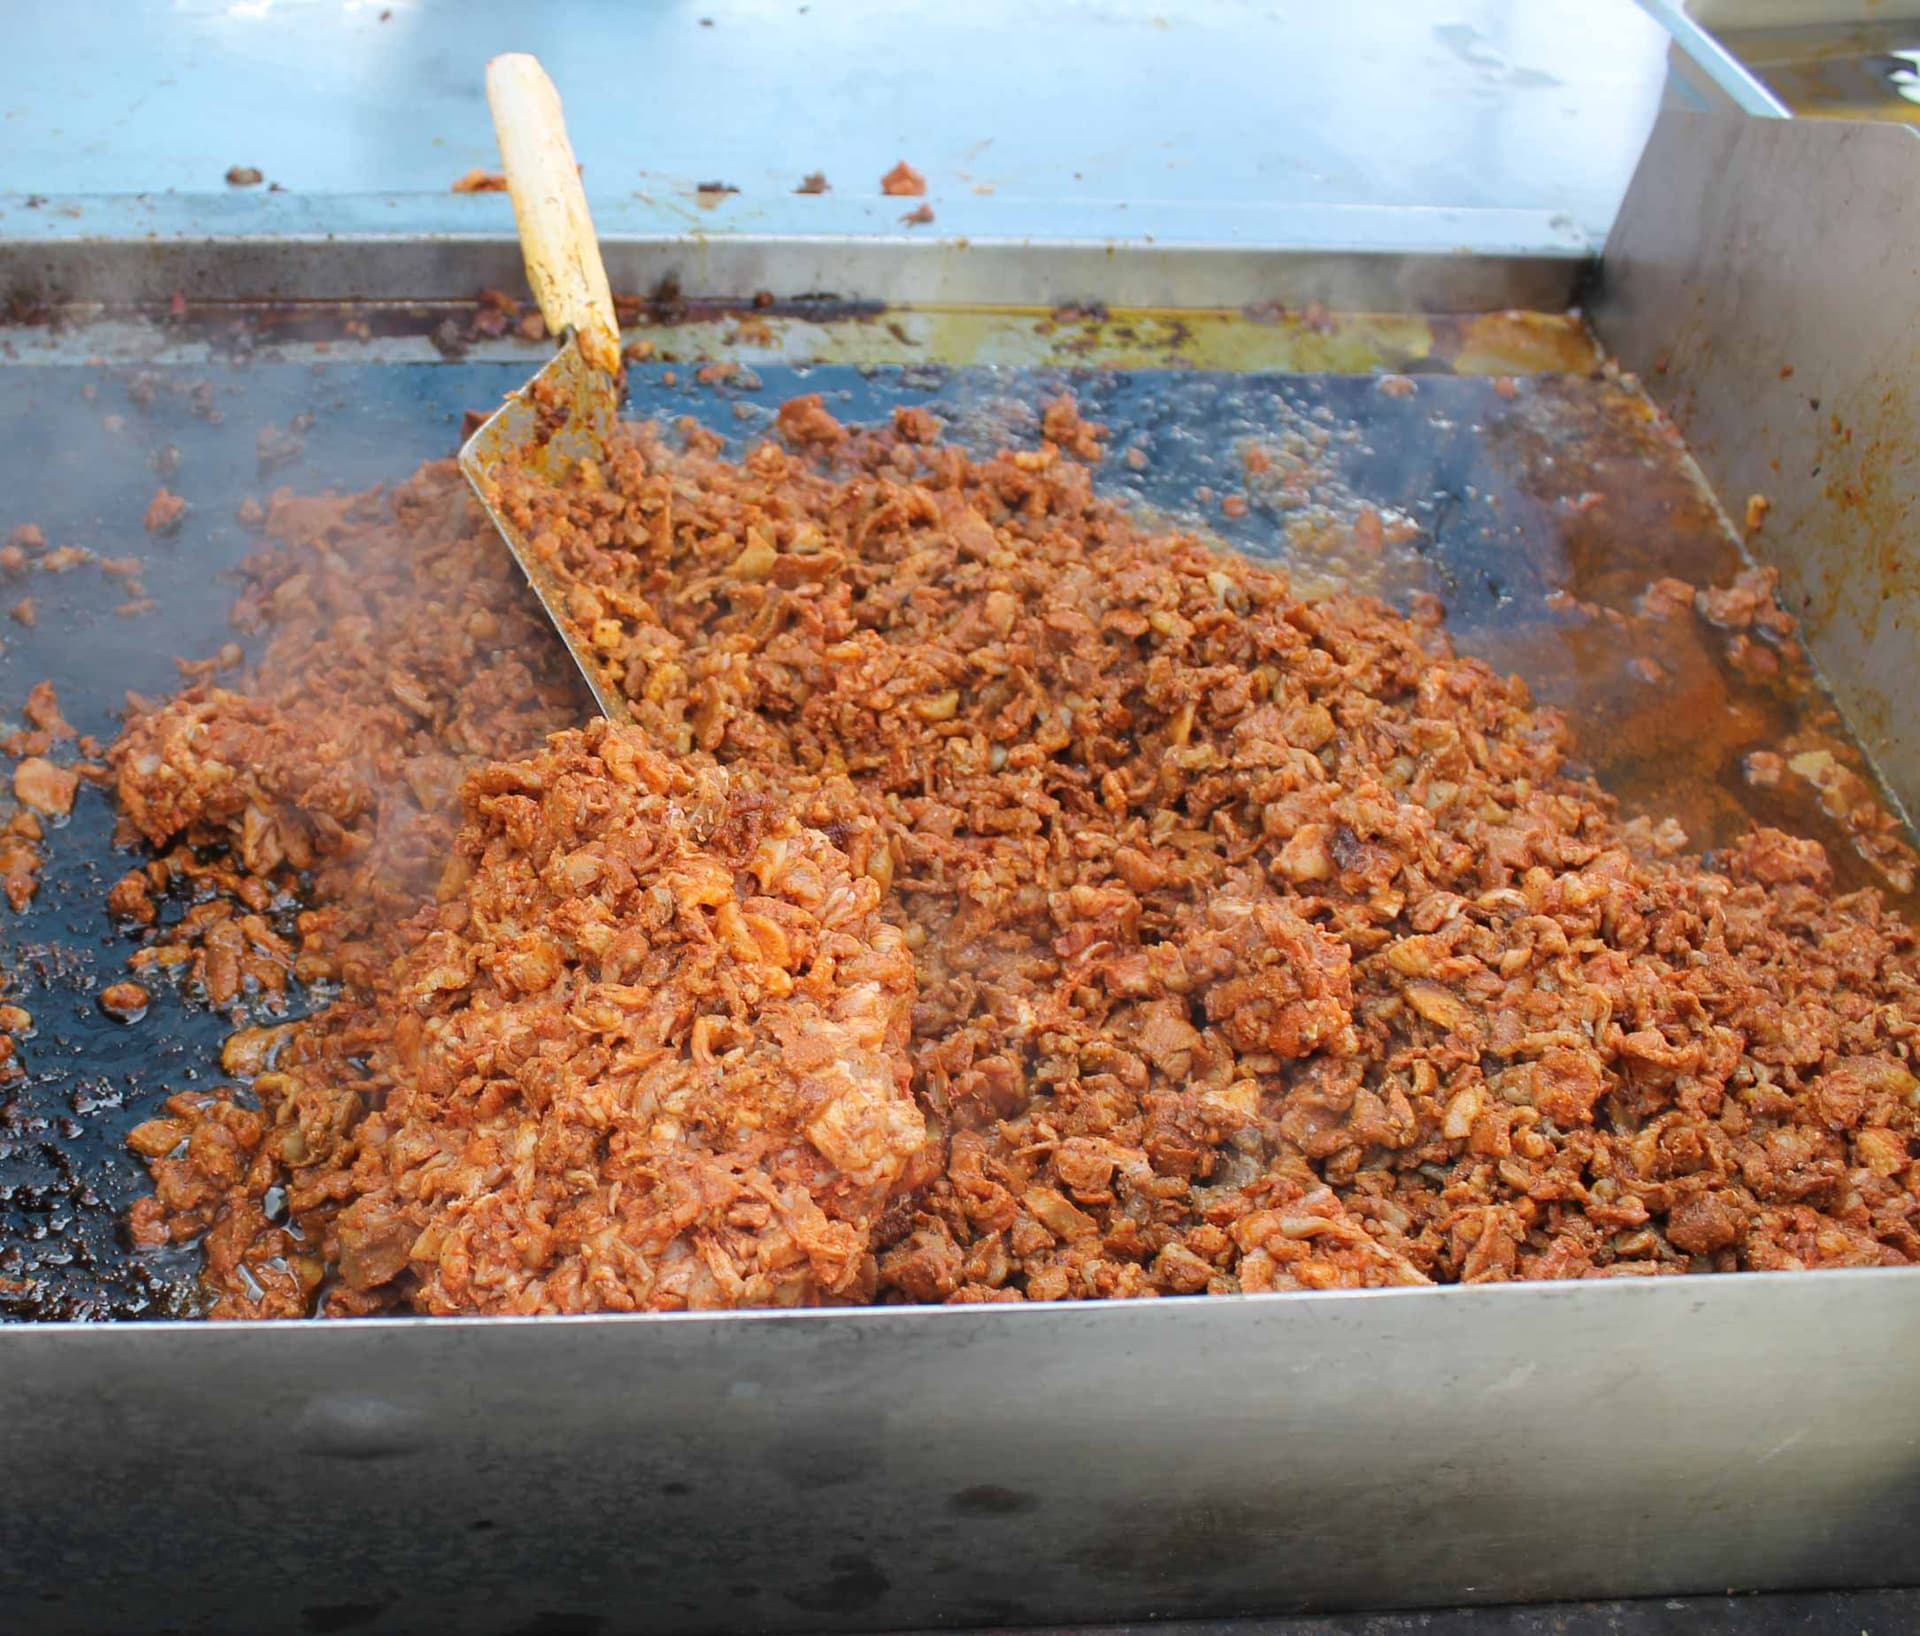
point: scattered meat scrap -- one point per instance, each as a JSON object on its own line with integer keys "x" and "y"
{"x": 64, "y": 557}
{"x": 164, "y": 512}
{"x": 918, "y": 217}
{"x": 1222, "y": 940}
{"x": 45, "y": 788}
{"x": 244, "y": 176}
{"x": 903, "y": 182}
{"x": 815, "y": 181}
{"x": 43, "y": 711}
{"x": 21, "y": 858}
{"x": 14, "y": 1021}
{"x": 480, "y": 181}
{"x": 125, "y": 1001}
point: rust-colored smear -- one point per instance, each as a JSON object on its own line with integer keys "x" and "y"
{"x": 1520, "y": 343}
{"x": 1666, "y": 707}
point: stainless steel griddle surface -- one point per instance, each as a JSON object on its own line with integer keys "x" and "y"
{"x": 1494, "y": 495}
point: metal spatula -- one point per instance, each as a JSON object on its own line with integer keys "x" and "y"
{"x": 567, "y": 411}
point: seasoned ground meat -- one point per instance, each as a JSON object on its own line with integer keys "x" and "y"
{"x": 1256, "y": 943}
{"x": 403, "y": 650}
{"x": 649, "y": 1051}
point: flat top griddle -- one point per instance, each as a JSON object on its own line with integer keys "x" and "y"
{"x": 1538, "y": 508}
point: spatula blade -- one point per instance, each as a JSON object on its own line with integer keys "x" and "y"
{"x": 565, "y": 414}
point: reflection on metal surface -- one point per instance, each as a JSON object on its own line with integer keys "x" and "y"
{"x": 1761, "y": 281}
{"x": 893, "y": 1469}
{"x": 1869, "y": 69}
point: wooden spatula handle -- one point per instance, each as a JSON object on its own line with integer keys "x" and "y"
{"x": 549, "y": 204}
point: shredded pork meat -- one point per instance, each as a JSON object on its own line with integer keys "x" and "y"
{"x": 1136, "y": 927}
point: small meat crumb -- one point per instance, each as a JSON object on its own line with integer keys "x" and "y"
{"x": 480, "y": 181}
{"x": 24, "y": 612}
{"x": 28, "y": 537}
{"x": 1396, "y": 386}
{"x": 131, "y": 899}
{"x": 126, "y": 1002}
{"x": 806, "y": 420}
{"x": 815, "y": 181}
{"x": 1758, "y": 505}
{"x": 1061, "y": 425}
{"x": 47, "y": 789}
{"x": 43, "y": 710}
{"x": 244, "y": 176}
{"x": 164, "y": 512}
{"x": 918, "y": 217}
{"x": 903, "y": 182}
{"x": 916, "y": 425}
{"x": 1666, "y": 597}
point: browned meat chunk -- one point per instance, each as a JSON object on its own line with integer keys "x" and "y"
{"x": 903, "y": 181}
{"x": 125, "y": 1002}
{"x": 49, "y": 790}
{"x": 164, "y": 512}
{"x": 43, "y": 710}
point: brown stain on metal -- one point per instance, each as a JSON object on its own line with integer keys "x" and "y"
{"x": 1848, "y": 553}
{"x": 822, "y": 327}
{"x": 1524, "y": 343}
{"x": 1866, "y": 479}
{"x": 1619, "y": 506}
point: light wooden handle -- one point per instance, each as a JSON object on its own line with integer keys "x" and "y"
{"x": 549, "y": 204}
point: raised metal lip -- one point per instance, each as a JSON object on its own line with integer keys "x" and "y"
{"x": 1695, "y": 1290}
